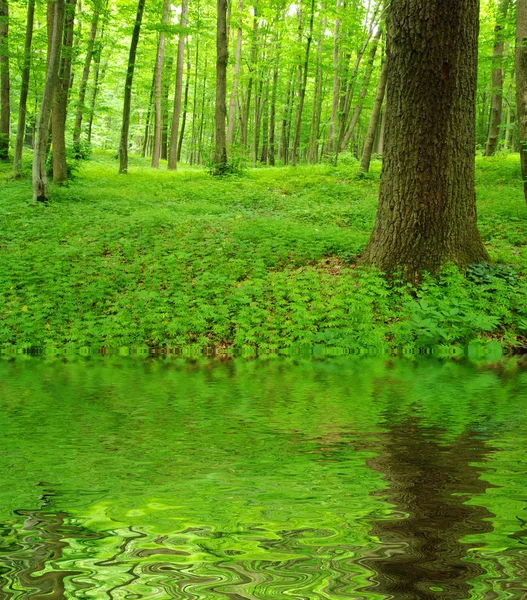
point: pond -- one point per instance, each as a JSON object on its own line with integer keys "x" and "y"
{"x": 342, "y": 478}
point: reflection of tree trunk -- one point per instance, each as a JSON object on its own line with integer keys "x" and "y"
{"x": 430, "y": 483}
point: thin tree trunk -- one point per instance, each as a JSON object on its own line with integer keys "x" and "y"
{"x": 174, "y": 133}
{"x": 144, "y": 153}
{"x": 5, "y": 111}
{"x": 24, "y": 90}
{"x": 96, "y": 79}
{"x": 199, "y": 153}
{"x": 302, "y": 91}
{"x": 286, "y": 120}
{"x": 521, "y": 85}
{"x": 272, "y": 116}
{"x": 194, "y": 107}
{"x": 60, "y": 101}
{"x": 427, "y": 201}
{"x": 265, "y": 125}
{"x": 158, "y": 93}
{"x": 312, "y": 154}
{"x": 85, "y": 76}
{"x": 374, "y": 120}
{"x": 497, "y": 82}
{"x": 244, "y": 129}
{"x": 165, "y": 109}
{"x": 123, "y": 144}
{"x": 336, "y": 84}
{"x": 231, "y": 121}
{"x": 220, "y": 154}
{"x": 358, "y": 108}
{"x": 506, "y": 143}
{"x": 185, "y": 110}
{"x": 40, "y": 178}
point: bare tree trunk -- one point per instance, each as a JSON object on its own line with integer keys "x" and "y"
{"x": 5, "y": 112}
{"x": 123, "y": 144}
{"x": 272, "y": 116}
{"x": 302, "y": 91}
{"x": 244, "y": 124}
{"x": 96, "y": 80}
{"x": 358, "y": 107}
{"x": 220, "y": 154}
{"x": 60, "y": 101}
{"x": 24, "y": 90}
{"x": 427, "y": 201}
{"x": 287, "y": 117}
{"x": 521, "y": 84}
{"x": 497, "y": 82}
{"x": 40, "y": 178}
{"x": 312, "y": 153}
{"x": 158, "y": 89}
{"x": 174, "y": 133}
{"x": 336, "y": 84}
{"x": 374, "y": 120}
{"x": 185, "y": 110}
{"x": 194, "y": 106}
{"x": 85, "y": 76}
{"x": 506, "y": 143}
{"x": 144, "y": 153}
{"x": 231, "y": 121}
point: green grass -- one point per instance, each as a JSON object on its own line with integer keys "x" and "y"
{"x": 265, "y": 260}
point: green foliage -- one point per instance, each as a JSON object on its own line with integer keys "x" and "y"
{"x": 266, "y": 261}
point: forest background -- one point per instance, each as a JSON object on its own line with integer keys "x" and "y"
{"x": 305, "y": 85}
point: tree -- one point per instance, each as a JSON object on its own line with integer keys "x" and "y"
{"x": 60, "y": 100}
{"x": 125, "y": 128}
{"x": 374, "y": 120}
{"x": 220, "y": 154}
{"x": 497, "y": 82}
{"x": 180, "y": 63}
{"x": 158, "y": 89}
{"x": 427, "y": 202}
{"x": 85, "y": 76}
{"x": 521, "y": 84}
{"x": 5, "y": 111}
{"x": 24, "y": 90}
{"x": 40, "y": 178}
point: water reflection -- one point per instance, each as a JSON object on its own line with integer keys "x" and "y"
{"x": 422, "y": 556}
{"x": 330, "y": 480}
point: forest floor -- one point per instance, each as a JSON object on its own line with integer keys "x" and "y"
{"x": 265, "y": 260}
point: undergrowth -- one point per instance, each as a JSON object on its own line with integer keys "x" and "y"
{"x": 263, "y": 260}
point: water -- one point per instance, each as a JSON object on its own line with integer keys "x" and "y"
{"x": 367, "y": 478}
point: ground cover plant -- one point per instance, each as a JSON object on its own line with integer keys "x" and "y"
{"x": 264, "y": 260}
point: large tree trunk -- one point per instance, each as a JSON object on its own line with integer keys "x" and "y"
{"x": 158, "y": 89}
{"x": 85, "y": 76}
{"x": 5, "y": 111}
{"x": 40, "y": 178}
{"x": 180, "y": 66}
{"x": 427, "y": 202}
{"x": 497, "y": 82}
{"x": 374, "y": 120}
{"x": 521, "y": 85}
{"x": 123, "y": 144}
{"x": 22, "y": 111}
{"x": 220, "y": 153}
{"x": 60, "y": 101}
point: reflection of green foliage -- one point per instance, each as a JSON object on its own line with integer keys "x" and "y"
{"x": 241, "y": 463}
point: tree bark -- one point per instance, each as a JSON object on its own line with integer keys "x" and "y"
{"x": 85, "y": 76}
{"x": 272, "y": 115}
{"x": 40, "y": 178}
{"x": 231, "y": 121}
{"x": 174, "y": 132}
{"x": 497, "y": 83}
{"x": 158, "y": 88}
{"x": 123, "y": 144}
{"x": 336, "y": 84}
{"x": 96, "y": 78}
{"x": 374, "y": 120}
{"x": 220, "y": 154}
{"x": 185, "y": 110}
{"x": 60, "y": 100}
{"x": 302, "y": 90}
{"x": 24, "y": 90}
{"x": 5, "y": 111}
{"x": 427, "y": 202}
{"x": 521, "y": 85}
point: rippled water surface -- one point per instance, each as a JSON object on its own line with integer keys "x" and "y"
{"x": 369, "y": 478}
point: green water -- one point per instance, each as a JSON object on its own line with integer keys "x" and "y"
{"x": 364, "y": 478}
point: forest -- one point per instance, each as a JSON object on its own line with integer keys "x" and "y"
{"x": 264, "y": 174}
